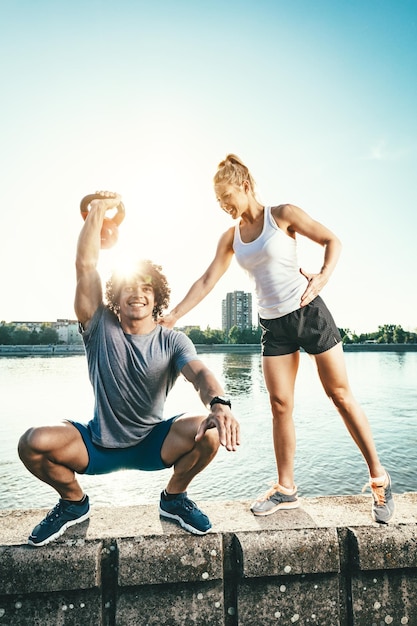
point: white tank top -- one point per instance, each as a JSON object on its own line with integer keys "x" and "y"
{"x": 271, "y": 261}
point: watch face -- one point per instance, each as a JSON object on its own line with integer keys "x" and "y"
{"x": 221, "y": 400}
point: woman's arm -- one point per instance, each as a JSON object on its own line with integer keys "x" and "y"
{"x": 206, "y": 282}
{"x": 294, "y": 220}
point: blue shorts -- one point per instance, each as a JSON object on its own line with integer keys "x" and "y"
{"x": 145, "y": 455}
{"x": 311, "y": 327}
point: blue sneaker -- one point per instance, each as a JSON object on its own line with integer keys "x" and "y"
{"x": 186, "y": 512}
{"x": 62, "y": 516}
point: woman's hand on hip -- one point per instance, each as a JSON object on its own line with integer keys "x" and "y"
{"x": 315, "y": 283}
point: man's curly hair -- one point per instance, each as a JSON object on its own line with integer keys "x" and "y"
{"x": 144, "y": 270}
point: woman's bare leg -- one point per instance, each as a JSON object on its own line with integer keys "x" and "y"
{"x": 332, "y": 371}
{"x": 280, "y": 373}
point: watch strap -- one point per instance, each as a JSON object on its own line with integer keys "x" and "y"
{"x": 221, "y": 400}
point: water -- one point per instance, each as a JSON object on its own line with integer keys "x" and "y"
{"x": 37, "y": 391}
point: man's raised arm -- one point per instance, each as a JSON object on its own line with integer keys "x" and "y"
{"x": 88, "y": 294}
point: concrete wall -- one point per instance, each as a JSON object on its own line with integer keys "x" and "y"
{"x": 52, "y": 350}
{"x": 324, "y": 564}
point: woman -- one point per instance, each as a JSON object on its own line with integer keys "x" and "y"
{"x": 292, "y": 315}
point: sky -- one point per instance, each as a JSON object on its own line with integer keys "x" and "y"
{"x": 317, "y": 97}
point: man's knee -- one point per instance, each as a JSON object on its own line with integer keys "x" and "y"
{"x": 33, "y": 441}
{"x": 211, "y": 440}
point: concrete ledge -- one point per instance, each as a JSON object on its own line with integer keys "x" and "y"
{"x": 326, "y": 563}
{"x": 301, "y": 551}
{"x": 24, "y": 570}
{"x": 395, "y": 549}
{"x": 226, "y": 517}
{"x": 166, "y": 561}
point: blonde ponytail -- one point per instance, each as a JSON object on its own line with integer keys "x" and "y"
{"x": 233, "y": 172}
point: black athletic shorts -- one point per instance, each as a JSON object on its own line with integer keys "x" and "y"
{"x": 311, "y": 327}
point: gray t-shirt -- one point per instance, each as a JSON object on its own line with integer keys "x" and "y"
{"x": 131, "y": 377}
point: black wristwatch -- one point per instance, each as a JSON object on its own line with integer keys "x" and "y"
{"x": 221, "y": 400}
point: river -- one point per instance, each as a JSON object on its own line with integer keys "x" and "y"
{"x": 45, "y": 390}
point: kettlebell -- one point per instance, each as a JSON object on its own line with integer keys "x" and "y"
{"x": 110, "y": 231}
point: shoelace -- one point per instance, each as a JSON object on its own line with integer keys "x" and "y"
{"x": 273, "y": 489}
{"x": 269, "y": 493}
{"x": 53, "y": 513}
{"x": 378, "y": 492}
{"x": 189, "y": 504}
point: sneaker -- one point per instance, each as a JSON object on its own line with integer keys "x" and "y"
{"x": 186, "y": 512}
{"x": 62, "y": 516}
{"x": 383, "y": 503}
{"x": 274, "y": 500}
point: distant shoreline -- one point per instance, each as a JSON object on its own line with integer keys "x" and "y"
{"x": 77, "y": 349}
{"x": 350, "y": 347}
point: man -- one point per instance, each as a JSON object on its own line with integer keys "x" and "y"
{"x": 133, "y": 363}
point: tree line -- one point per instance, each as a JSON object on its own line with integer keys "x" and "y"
{"x": 388, "y": 333}
{"x": 11, "y": 334}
